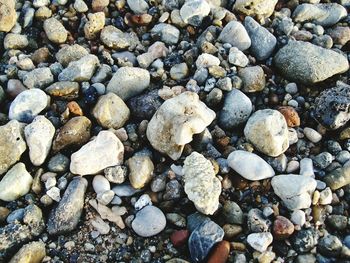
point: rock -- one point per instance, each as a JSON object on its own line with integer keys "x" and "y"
{"x": 95, "y": 24}
{"x": 65, "y": 217}
{"x": 14, "y": 87}
{"x": 220, "y": 253}
{"x": 110, "y": 111}
{"x": 70, "y": 53}
{"x": 39, "y": 135}
{"x": 58, "y": 163}
{"x": 267, "y": 131}
{"x": 149, "y": 221}
{"x": 80, "y": 6}
{"x": 28, "y": 104}
{"x": 175, "y": 122}
{"x": 8, "y": 15}
{"x": 128, "y": 82}
{"x": 195, "y": 220}
{"x": 263, "y": 42}
{"x": 115, "y": 174}
{"x": 294, "y": 190}
{"x": 168, "y": 33}
{"x": 291, "y": 116}
{"x": 179, "y": 71}
{"x": 207, "y": 60}
{"x": 123, "y": 190}
{"x": 66, "y": 90}
{"x": 249, "y": 165}
{"x": 282, "y": 228}
{"x": 237, "y": 57}
{"x": 340, "y": 35}
{"x": 115, "y": 38}
{"x": 307, "y": 63}
{"x": 144, "y": 106}
{"x": 201, "y": 185}
{"x": 253, "y": 78}
{"x": 15, "y": 41}
{"x": 320, "y": 14}
{"x": 332, "y": 107}
{"x": 304, "y": 240}
{"x": 143, "y": 201}
{"x": 203, "y": 238}
{"x": 75, "y": 132}
{"x": 179, "y": 237}
{"x": 80, "y": 70}
{"x": 232, "y": 231}
{"x": 260, "y": 241}
{"x": 103, "y": 151}
{"x": 329, "y": 246}
{"x": 338, "y": 178}
{"x": 193, "y": 12}
{"x": 138, "y": 6}
{"x": 306, "y": 167}
{"x": 235, "y": 34}
{"x": 140, "y": 170}
{"x": 156, "y": 50}
{"x": 298, "y": 217}
{"x": 257, "y": 222}
{"x": 100, "y": 184}
{"x": 338, "y": 222}
{"x": 55, "y": 31}
{"x": 12, "y": 144}
{"x": 38, "y": 78}
{"x": 260, "y": 8}
{"x": 32, "y": 252}
{"x": 232, "y": 213}
{"x": 312, "y": 135}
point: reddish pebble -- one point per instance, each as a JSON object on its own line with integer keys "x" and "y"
{"x": 179, "y": 238}
{"x": 220, "y": 252}
{"x": 282, "y": 228}
{"x": 291, "y": 116}
{"x": 74, "y": 108}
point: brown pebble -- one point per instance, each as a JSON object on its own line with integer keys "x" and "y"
{"x": 231, "y": 231}
{"x": 74, "y": 108}
{"x": 41, "y": 55}
{"x": 282, "y": 228}
{"x": 4, "y": 212}
{"x": 237, "y": 246}
{"x": 220, "y": 252}
{"x": 179, "y": 237}
{"x": 291, "y": 116}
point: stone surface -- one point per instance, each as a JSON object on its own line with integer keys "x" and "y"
{"x": 103, "y": 151}
{"x": 145, "y": 105}
{"x": 291, "y": 116}
{"x": 55, "y": 31}
{"x": 15, "y": 41}
{"x": 149, "y": 221}
{"x": 220, "y": 253}
{"x": 69, "y": 53}
{"x": 140, "y": 170}
{"x": 330, "y": 246}
{"x": 8, "y": 15}
{"x": 100, "y": 184}
{"x": 259, "y": 8}
{"x": 175, "y": 122}
{"x": 249, "y": 165}
{"x": 95, "y": 24}
{"x": 282, "y": 228}
{"x": 235, "y": 34}
{"x": 38, "y": 78}
{"x": 32, "y": 252}
{"x": 253, "y": 78}
{"x": 307, "y": 63}
{"x": 138, "y": 6}
{"x": 193, "y": 12}
{"x": 232, "y": 213}
{"x": 260, "y": 241}
{"x": 168, "y": 33}
{"x": 267, "y": 131}
{"x": 64, "y": 90}
{"x": 201, "y": 185}
{"x": 339, "y": 177}
{"x": 114, "y": 38}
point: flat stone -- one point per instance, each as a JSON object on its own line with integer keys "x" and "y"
{"x": 66, "y": 90}
{"x": 149, "y": 221}
{"x": 235, "y": 34}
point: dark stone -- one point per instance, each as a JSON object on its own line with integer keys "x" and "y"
{"x": 304, "y": 240}
{"x": 329, "y": 246}
{"x": 195, "y": 220}
{"x": 144, "y": 106}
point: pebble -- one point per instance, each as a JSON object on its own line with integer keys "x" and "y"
{"x": 253, "y": 78}
{"x": 339, "y": 177}
{"x": 260, "y": 241}
{"x": 143, "y": 201}
{"x": 237, "y": 57}
{"x": 100, "y": 184}
{"x": 149, "y": 221}
{"x": 93, "y": 27}
{"x": 168, "y": 34}
{"x": 140, "y": 170}
{"x": 115, "y": 174}
{"x": 340, "y": 35}
{"x": 15, "y": 41}
{"x": 329, "y": 246}
{"x": 235, "y": 34}
{"x": 116, "y": 39}
{"x": 38, "y": 78}
{"x": 257, "y": 222}
{"x": 282, "y": 228}
{"x": 175, "y": 122}
{"x": 201, "y": 185}
{"x": 66, "y": 90}
{"x": 58, "y": 163}
{"x": 193, "y": 12}
{"x": 33, "y": 252}
{"x": 337, "y": 222}
{"x": 267, "y": 131}
{"x": 179, "y": 237}
{"x": 291, "y": 116}
{"x": 8, "y": 15}
{"x": 306, "y": 167}
{"x": 80, "y": 6}
{"x": 207, "y": 60}
{"x": 138, "y": 6}
{"x": 54, "y": 194}
{"x": 220, "y": 252}
{"x": 179, "y": 71}
{"x": 70, "y": 53}
{"x": 298, "y": 217}
{"x": 103, "y": 151}
{"x": 258, "y": 8}
{"x": 123, "y": 190}
{"x": 249, "y": 165}
{"x": 55, "y": 31}
{"x": 312, "y": 135}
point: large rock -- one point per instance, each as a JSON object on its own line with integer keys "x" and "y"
{"x": 12, "y": 144}
{"x": 259, "y": 8}
{"x": 103, "y": 151}
{"x": 128, "y": 82}
{"x": 65, "y": 217}
{"x": 16, "y": 183}
{"x": 114, "y": 38}
{"x": 201, "y": 185}
{"x": 39, "y": 135}
{"x": 175, "y": 122}
{"x": 235, "y": 34}
{"x": 267, "y": 130}
{"x": 294, "y": 190}
{"x": 339, "y": 177}
{"x": 307, "y": 63}
{"x": 249, "y": 165}
{"x": 8, "y": 15}
{"x": 33, "y": 252}
{"x": 149, "y": 221}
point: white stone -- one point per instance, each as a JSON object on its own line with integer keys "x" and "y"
{"x": 292, "y": 166}
{"x": 237, "y": 57}
{"x": 207, "y": 60}
{"x": 235, "y": 34}
{"x": 103, "y": 151}
{"x": 312, "y": 135}
{"x": 54, "y": 193}
{"x": 298, "y": 217}
{"x": 306, "y": 167}
{"x": 80, "y": 6}
{"x": 106, "y": 197}
{"x": 168, "y": 33}
{"x": 259, "y": 8}
{"x": 260, "y": 241}
{"x": 55, "y": 31}
{"x": 193, "y": 11}
{"x": 249, "y": 165}
{"x": 149, "y": 221}
{"x": 138, "y": 6}
{"x": 100, "y": 184}
{"x": 326, "y": 196}
{"x": 39, "y": 135}
{"x": 143, "y": 201}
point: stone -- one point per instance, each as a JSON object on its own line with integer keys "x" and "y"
{"x": 100, "y": 184}
{"x": 282, "y": 228}
{"x": 55, "y": 31}
{"x": 263, "y": 43}
{"x": 249, "y": 165}
{"x": 175, "y": 122}
{"x": 235, "y": 34}
{"x": 38, "y": 78}
{"x": 156, "y": 50}
{"x": 80, "y": 6}
{"x": 306, "y": 167}
{"x": 115, "y": 38}
{"x": 15, "y": 41}
{"x": 326, "y": 197}
{"x": 138, "y": 6}
{"x": 123, "y": 190}
{"x": 69, "y": 53}
{"x": 14, "y": 87}
{"x": 338, "y": 222}
{"x": 80, "y": 70}
{"x": 128, "y": 82}
{"x": 339, "y": 177}
{"x": 115, "y": 174}
{"x": 140, "y": 170}
{"x": 12, "y": 144}
{"x": 237, "y": 57}
{"x": 168, "y": 33}
{"x": 32, "y": 252}
{"x": 291, "y": 115}
{"x": 260, "y": 241}
{"x": 313, "y": 135}
{"x": 16, "y": 183}
{"x": 329, "y": 246}
{"x": 28, "y": 104}
{"x": 259, "y": 8}
{"x": 294, "y": 190}
{"x": 340, "y": 35}
{"x": 143, "y": 201}
{"x": 307, "y": 63}
{"x": 193, "y": 12}
{"x": 149, "y": 221}
{"x": 58, "y": 163}
{"x": 267, "y": 130}
{"x": 66, "y": 90}
{"x": 195, "y": 220}
{"x": 65, "y": 217}
{"x": 220, "y": 253}
{"x": 39, "y": 135}
{"x": 110, "y": 111}
{"x": 145, "y": 105}
{"x": 232, "y": 231}
{"x": 54, "y": 193}
{"x": 201, "y": 185}
{"x": 103, "y": 151}
{"x": 8, "y": 15}
{"x": 179, "y": 237}
{"x": 320, "y": 14}
{"x": 253, "y": 78}
{"x": 203, "y": 239}
{"x": 207, "y": 60}
{"x": 257, "y": 222}
{"x": 95, "y": 24}
{"x": 298, "y": 217}
{"x": 232, "y": 213}
{"x": 179, "y": 71}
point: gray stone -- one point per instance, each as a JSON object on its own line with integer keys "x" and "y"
{"x": 38, "y": 78}
{"x": 259, "y": 8}
{"x": 193, "y": 12}
{"x": 253, "y": 78}
{"x": 138, "y": 6}
{"x": 114, "y": 38}
{"x": 149, "y": 221}
{"x": 237, "y": 57}
{"x": 15, "y": 41}
{"x": 69, "y": 53}
{"x": 168, "y": 33}
{"x": 58, "y": 163}
{"x": 257, "y": 222}
{"x": 123, "y": 190}
{"x": 115, "y": 174}
{"x": 338, "y": 178}
{"x": 144, "y": 106}
{"x": 260, "y": 241}
{"x": 232, "y": 213}
{"x": 235, "y": 34}
{"x": 55, "y": 31}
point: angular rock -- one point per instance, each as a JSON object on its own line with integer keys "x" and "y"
{"x": 140, "y": 170}
{"x": 201, "y": 185}
{"x": 149, "y": 221}
{"x": 103, "y": 151}
{"x": 32, "y": 252}
{"x": 55, "y": 31}
{"x": 235, "y": 34}
{"x": 115, "y": 38}
{"x": 8, "y": 15}
{"x": 175, "y": 122}
{"x": 260, "y": 8}
{"x": 69, "y": 53}
{"x": 193, "y": 12}
{"x": 66, "y": 90}
{"x": 95, "y": 24}
{"x": 237, "y": 57}
{"x": 38, "y": 78}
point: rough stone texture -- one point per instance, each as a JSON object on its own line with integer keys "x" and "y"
{"x": 267, "y": 130}
{"x": 249, "y": 165}
{"x": 144, "y": 106}
{"x": 175, "y": 122}
{"x": 339, "y": 177}
{"x": 149, "y": 221}
{"x": 65, "y": 217}
{"x": 55, "y": 31}
{"x": 128, "y": 82}
{"x": 69, "y": 53}
{"x": 260, "y": 241}
{"x": 168, "y": 33}
{"x": 253, "y": 78}
{"x": 8, "y": 15}
{"x": 307, "y": 63}
{"x": 95, "y": 24}
{"x": 33, "y": 252}
{"x": 140, "y": 170}
{"x": 12, "y": 144}
{"x": 115, "y": 38}
{"x": 201, "y": 185}
{"x": 15, "y": 41}
{"x": 38, "y": 78}
{"x": 235, "y": 34}
{"x": 259, "y": 8}
{"x": 103, "y": 151}
{"x": 193, "y": 12}
{"x": 66, "y": 90}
